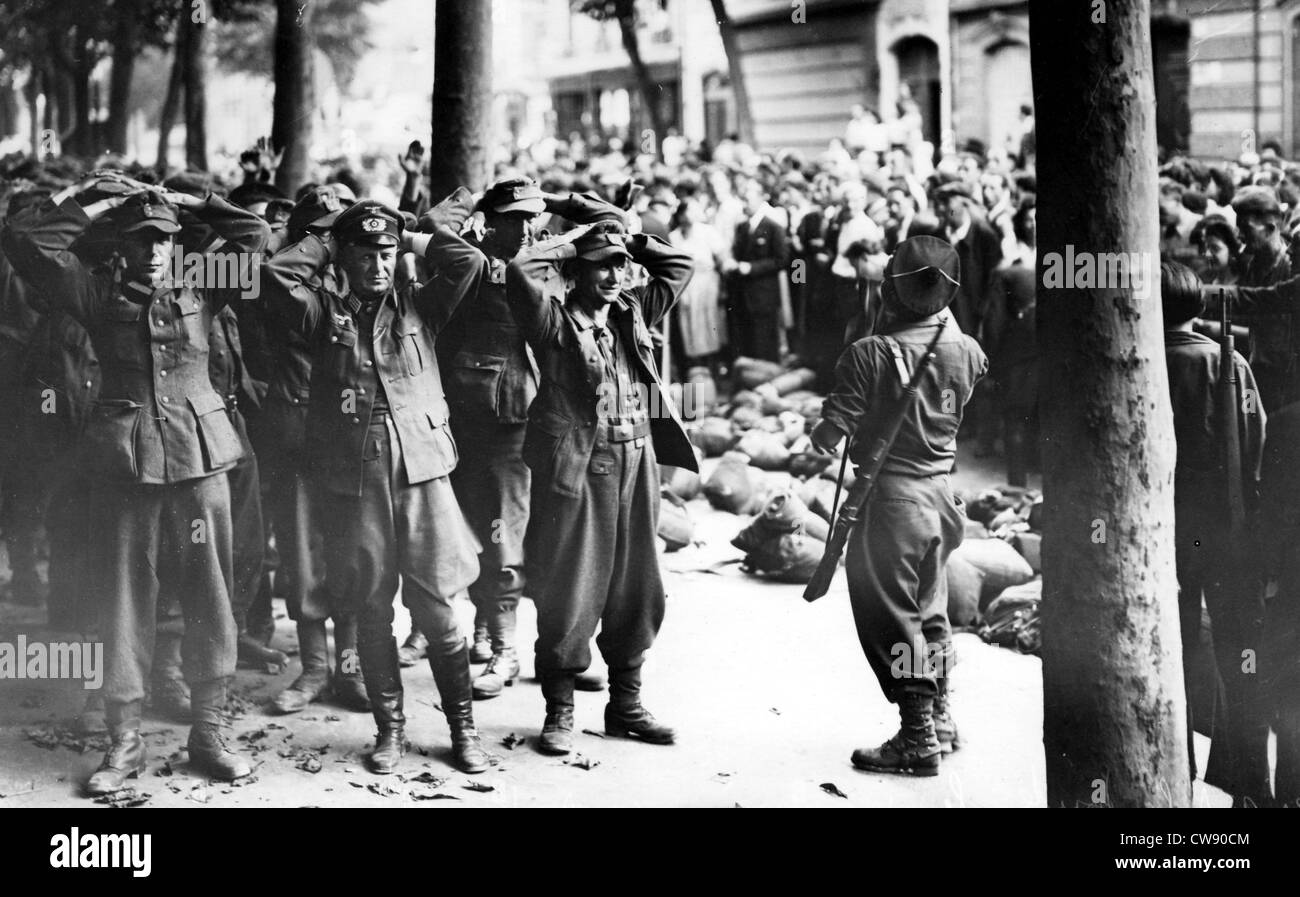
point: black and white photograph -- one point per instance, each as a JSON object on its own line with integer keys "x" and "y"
{"x": 504, "y": 404}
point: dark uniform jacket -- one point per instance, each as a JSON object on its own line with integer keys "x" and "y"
{"x": 980, "y": 253}
{"x": 563, "y": 421}
{"x": 489, "y": 372}
{"x": 767, "y": 249}
{"x": 868, "y": 383}
{"x": 158, "y": 419}
{"x": 346, "y": 374}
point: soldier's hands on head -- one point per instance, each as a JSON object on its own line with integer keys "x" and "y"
{"x": 451, "y": 213}
{"x": 475, "y": 226}
{"x": 413, "y": 161}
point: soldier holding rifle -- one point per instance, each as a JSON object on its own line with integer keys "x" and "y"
{"x": 911, "y": 521}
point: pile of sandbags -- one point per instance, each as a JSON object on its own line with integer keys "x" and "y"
{"x": 978, "y": 571}
{"x": 785, "y": 542}
{"x": 735, "y": 486}
{"x": 675, "y": 525}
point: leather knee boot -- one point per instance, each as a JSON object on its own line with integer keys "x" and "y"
{"x": 383, "y": 677}
{"x": 349, "y": 686}
{"x": 452, "y": 675}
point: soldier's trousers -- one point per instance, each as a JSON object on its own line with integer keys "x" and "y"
{"x": 593, "y": 561}
{"x": 289, "y": 501}
{"x": 175, "y": 539}
{"x": 897, "y": 585}
{"x": 394, "y": 528}
{"x": 1238, "y": 757}
{"x": 492, "y": 485}
{"x": 249, "y": 539}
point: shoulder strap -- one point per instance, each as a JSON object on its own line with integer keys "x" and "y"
{"x": 900, "y": 363}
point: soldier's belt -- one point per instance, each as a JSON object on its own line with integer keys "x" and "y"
{"x": 626, "y": 431}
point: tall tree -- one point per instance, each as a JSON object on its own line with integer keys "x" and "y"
{"x": 171, "y": 104}
{"x": 739, "y": 90}
{"x": 293, "y": 110}
{"x": 1114, "y": 715}
{"x": 126, "y": 44}
{"x": 191, "y": 44}
{"x": 459, "y": 151}
{"x": 624, "y": 12}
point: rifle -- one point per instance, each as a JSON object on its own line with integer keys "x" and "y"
{"x": 1231, "y": 433}
{"x": 842, "y": 523}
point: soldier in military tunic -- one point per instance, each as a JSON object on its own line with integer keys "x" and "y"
{"x": 593, "y": 445}
{"x": 160, "y": 443}
{"x": 380, "y": 449}
{"x": 911, "y": 521}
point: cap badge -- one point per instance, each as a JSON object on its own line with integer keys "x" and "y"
{"x": 372, "y": 225}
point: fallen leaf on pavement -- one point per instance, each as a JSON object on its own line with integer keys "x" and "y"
{"x": 830, "y": 788}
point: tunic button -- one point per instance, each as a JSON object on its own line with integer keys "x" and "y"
{"x": 165, "y": 400}
{"x": 87, "y": 384}
{"x": 334, "y": 339}
{"x": 368, "y": 363}
{"x": 361, "y": 392}
{"x": 162, "y": 373}
{"x": 356, "y": 420}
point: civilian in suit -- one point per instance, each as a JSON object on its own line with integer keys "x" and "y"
{"x": 761, "y": 250}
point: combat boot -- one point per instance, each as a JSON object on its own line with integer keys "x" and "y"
{"x": 624, "y": 715}
{"x": 414, "y": 649}
{"x": 125, "y": 758}
{"x": 557, "y": 730}
{"x": 311, "y": 685}
{"x": 383, "y": 678}
{"x": 944, "y": 727}
{"x": 451, "y": 675}
{"x": 207, "y": 746}
{"x": 914, "y": 750}
{"x": 349, "y": 686}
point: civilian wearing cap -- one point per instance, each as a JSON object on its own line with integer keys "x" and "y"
{"x": 159, "y": 443}
{"x": 594, "y": 447}
{"x": 1265, "y": 261}
{"x": 911, "y": 522}
{"x": 491, "y": 379}
{"x": 1209, "y": 564}
{"x": 380, "y": 450}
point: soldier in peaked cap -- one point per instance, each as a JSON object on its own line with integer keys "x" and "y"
{"x": 592, "y": 446}
{"x": 911, "y": 521}
{"x": 161, "y": 444}
{"x": 380, "y": 449}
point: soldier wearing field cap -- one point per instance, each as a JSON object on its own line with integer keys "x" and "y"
{"x": 289, "y": 496}
{"x": 911, "y": 522}
{"x": 380, "y": 449}
{"x": 593, "y": 446}
{"x": 159, "y": 442}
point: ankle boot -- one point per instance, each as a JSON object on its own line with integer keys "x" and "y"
{"x": 944, "y": 727}
{"x": 209, "y": 752}
{"x": 311, "y": 684}
{"x": 914, "y": 750}
{"x": 624, "y": 715}
{"x": 125, "y": 758}
{"x": 414, "y": 649}
{"x": 557, "y": 730}
{"x": 451, "y": 674}
{"x": 349, "y": 686}
{"x": 481, "y": 650}
{"x": 383, "y": 678}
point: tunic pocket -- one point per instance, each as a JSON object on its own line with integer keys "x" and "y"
{"x": 475, "y": 380}
{"x": 217, "y": 436}
{"x": 110, "y": 438}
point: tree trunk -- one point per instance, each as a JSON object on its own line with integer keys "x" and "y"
{"x": 744, "y": 117}
{"x": 293, "y": 110}
{"x": 1114, "y": 712}
{"x": 195, "y": 74}
{"x": 459, "y": 151}
{"x": 648, "y": 89}
{"x": 33, "y": 91}
{"x": 171, "y": 104}
{"x": 83, "y": 139}
{"x": 119, "y": 85}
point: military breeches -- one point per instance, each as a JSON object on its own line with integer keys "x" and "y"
{"x": 174, "y": 539}
{"x": 289, "y": 506}
{"x": 897, "y": 585}
{"x": 397, "y": 529}
{"x": 595, "y": 561}
{"x": 492, "y": 487}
